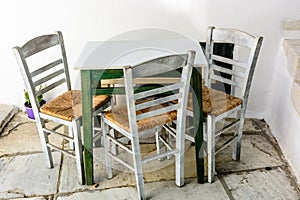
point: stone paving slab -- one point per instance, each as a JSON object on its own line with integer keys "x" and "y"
{"x": 127, "y": 193}
{"x": 32, "y": 198}
{"x": 153, "y": 171}
{"x": 28, "y": 175}
{"x": 257, "y": 153}
{"x": 6, "y": 113}
{"x": 261, "y": 185}
{"x": 166, "y": 190}
{"x": 9, "y": 195}
{"x": 23, "y": 136}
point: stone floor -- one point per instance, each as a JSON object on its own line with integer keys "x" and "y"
{"x": 262, "y": 172}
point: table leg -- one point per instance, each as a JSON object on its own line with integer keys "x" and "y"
{"x": 196, "y": 83}
{"x": 86, "y": 92}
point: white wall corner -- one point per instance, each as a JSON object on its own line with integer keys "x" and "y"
{"x": 292, "y": 51}
{"x": 295, "y": 96}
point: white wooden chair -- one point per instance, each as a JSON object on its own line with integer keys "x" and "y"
{"x": 48, "y": 51}
{"x": 217, "y": 105}
{"x": 148, "y": 110}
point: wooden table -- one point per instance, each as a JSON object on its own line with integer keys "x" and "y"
{"x": 101, "y": 59}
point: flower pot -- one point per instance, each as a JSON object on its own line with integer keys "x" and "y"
{"x": 29, "y": 110}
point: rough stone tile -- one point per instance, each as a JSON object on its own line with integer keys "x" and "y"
{"x": 115, "y": 194}
{"x": 250, "y": 126}
{"x": 69, "y": 179}
{"x": 8, "y": 195}
{"x": 23, "y": 136}
{"x": 261, "y": 185}
{"x": 32, "y": 198}
{"x": 260, "y": 124}
{"x": 167, "y": 190}
{"x": 153, "y": 171}
{"x": 28, "y": 175}
{"x": 6, "y": 113}
{"x": 163, "y": 190}
{"x": 257, "y": 152}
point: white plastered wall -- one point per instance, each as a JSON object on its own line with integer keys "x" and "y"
{"x": 82, "y": 21}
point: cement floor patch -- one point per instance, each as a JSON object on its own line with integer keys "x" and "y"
{"x": 28, "y": 175}
{"x": 261, "y": 185}
{"x": 257, "y": 152}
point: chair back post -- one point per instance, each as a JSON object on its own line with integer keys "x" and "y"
{"x": 185, "y": 77}
{"x": 157, "y": 67}
{"x": 43, "y": 75}
{"x": 64, "y": 58}
{"x": 28, "y": 81}
{"x": 208, "y": 53}
{"x": 253, "y": 61}
{"x": 130, "y": 100}
{"x": 242, "y": 70}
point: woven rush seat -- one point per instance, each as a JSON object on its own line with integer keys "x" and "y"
{"x": 68, "y": 105}
{"x": 215, "y": 102}
{"x": 118, "y": 115}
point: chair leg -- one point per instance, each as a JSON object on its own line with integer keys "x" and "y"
{"x": 236, "y": 153}
{"x": 170, "y": 140}
{"x": 211, "y": 147}
{"x": 70, "y": 129}
{"x": 97, "y": 133}
{"x": 137, "y": 162}
{"x": 44, "y": 140}
{"x": 108, "y": 159}
{"x": 158, "y": 142}
{"x": 114, "y": 149}
{"x": 179, "y": 163}
{"x": 78, "y": 150}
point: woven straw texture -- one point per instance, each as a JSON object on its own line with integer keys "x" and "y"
{"x": 215, "y": 102}
{"x": 119, "y": 117}
{"x": 68, "y": 105}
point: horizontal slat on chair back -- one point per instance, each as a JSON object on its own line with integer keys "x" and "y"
{"x": 39, "y": 69}
{"x": 39, "y": 44}
{"x": 157, "y": 91}
{"x": 160, "y": 65}
{"x": 155, "y": 105}
{"x": 50, "y": 87}
{"x": 159, "y": 100}
{"x": 240, "y": 67}
{"x": 230, "y": 61}
{"x": 233, "y": 36}
{"x": 46, "y": 67}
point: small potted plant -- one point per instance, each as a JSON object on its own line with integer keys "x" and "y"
{"x": 28, "y": 106}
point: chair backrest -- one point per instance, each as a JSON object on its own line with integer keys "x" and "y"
{"x": 43, "y": 65}
{"x": 174, "y": 65}
{"x": 245, "y": 53}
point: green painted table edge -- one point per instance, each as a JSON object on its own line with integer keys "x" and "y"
{"x": 90, "y": 79}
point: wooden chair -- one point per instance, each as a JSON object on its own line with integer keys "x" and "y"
{"x": 216, "y": 104}
{"x": 147, "y": 110}
{"x": 48, "y": 51}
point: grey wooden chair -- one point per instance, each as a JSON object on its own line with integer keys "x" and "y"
{"x": 146, "y": 111}
{"x": 216, "y": 104}
{"x": 48, "y": 51}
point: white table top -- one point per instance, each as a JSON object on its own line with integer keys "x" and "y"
{"x": 113, "y": 54}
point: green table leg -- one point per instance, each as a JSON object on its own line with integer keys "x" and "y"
{"x": 196, "y": 83}
{"x": 87, "y": 125}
